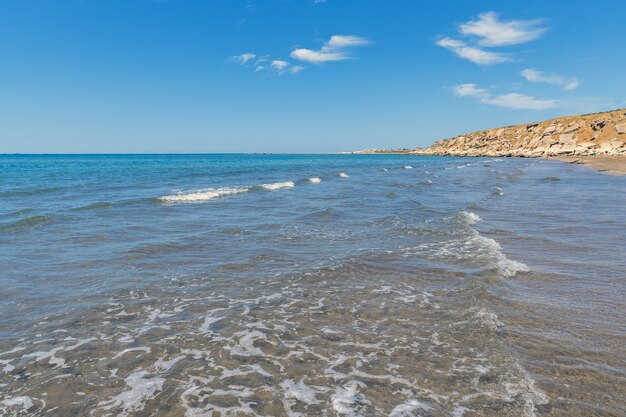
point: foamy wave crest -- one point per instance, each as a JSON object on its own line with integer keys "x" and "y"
{"x": 470, "y": 218}
{"x": 278, "y": 185}
{"x": 487, "y": 250}
{"x": 504, "y": 265}
{"x": 343, "y": 175}
{"x": 314, "y": 180}
{"x": 408, "y": 167}
{"x": 206, "y": 194}
{"x": 467, "y": 245}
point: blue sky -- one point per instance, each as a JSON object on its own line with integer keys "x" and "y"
{"x": 296, "y": 76}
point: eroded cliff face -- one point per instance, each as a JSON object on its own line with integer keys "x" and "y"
{"x": 599, "y": 133}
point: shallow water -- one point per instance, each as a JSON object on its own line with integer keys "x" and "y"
{"x": 283, "y": 285}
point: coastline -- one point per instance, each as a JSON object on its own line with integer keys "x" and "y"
{"x": 609, "y": 164}
{"x": 596, "y": 140}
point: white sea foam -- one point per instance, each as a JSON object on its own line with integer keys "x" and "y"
{"x": 278, "y": 185}
{"x": 206, "y": 194}
{"x": 468, "y": 245}
{"x": 79, "y": 342}
{"x": 343, "y": 175}
{"x": 459, "y": 411}
{"x": 210, "y": 319}
{"x": 166, "y": 365}
{"x": 199, "y": 392}
{"x": 15, "y": 349}
{"x": 252, "y": 369}
{"x": 328, "y": 330}
{"x": 488, "y": 319}
{"x": 314, "y": 180}
{"x": 347, "y": 397}
{"x": 470, "y": 218}
{"x": 299, "y": 391}
{"x": 408, "y": 167}
{"x": 144, "y": 349}
{"x": 526, "y": 389}
{"x": 50, "y": 355}
{"x": 245, "y": 346}
{"x": 141, "y": 390}
{"x": 7, "y": 367}
{"x": 408, "y": 409}
{"x": 157, "y": 314}
{"x": 492, "y": 250}
{"x": 24, "y": 402}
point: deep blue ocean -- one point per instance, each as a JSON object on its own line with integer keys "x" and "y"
{"x": 270, "y": 285}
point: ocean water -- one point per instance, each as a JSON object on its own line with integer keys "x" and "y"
{"x": 310, "y": 285}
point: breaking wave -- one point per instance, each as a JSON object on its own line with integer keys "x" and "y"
{"x": 278, "y": 185}
{"x": 467, "y": 245}
{"x": 206, "y": 194}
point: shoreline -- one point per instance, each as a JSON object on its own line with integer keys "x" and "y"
{"x": 609, "y": 164}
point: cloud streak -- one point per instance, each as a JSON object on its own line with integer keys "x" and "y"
{"x": 265, "y": 64}
{"x": 335, "y": 49}
{"x": 489, "y": 31}
{"x": 519, "y": 102}
{"x": 515, "y": 101}
{"x": 243, "y": 59}
{"x": 473, "y": 54}
{"x": 534, "y": 76}
{"x": 492, "y": 31}
{"x": 463, "y": 90}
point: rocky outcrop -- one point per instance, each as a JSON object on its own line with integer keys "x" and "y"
{"x": 590, "y": 134}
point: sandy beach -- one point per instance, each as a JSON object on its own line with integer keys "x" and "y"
{"x": 611, "y": 164}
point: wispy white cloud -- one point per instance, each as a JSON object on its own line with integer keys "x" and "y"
{"x": 534, "y": 76}
{"x": 344, "y": 41}
{"x": 335, "y": 49}
{"x": 317, "y": 57}
{"x": 511, "y": 100}
{"x": 279, "y": 65}
{"x": 489, "y": 31}
{"x": 519, "y": 102}
{"x": 468, "y": 89}
{"x": 492, "y": 31}
{"x": 283, "y": 67}
{"x": 243, "y": 58}
{"x": 265, "y": 64}
{"x": 471, "y": 53}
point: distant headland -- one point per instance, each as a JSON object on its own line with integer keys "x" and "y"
{"x": 599, "y": 137}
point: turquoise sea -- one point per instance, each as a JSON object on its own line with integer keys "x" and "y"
{"x": 310, "y": 285}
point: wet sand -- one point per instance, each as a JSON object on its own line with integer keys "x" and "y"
{"x": 612, "y": 164}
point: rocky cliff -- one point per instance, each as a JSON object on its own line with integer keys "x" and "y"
{"x": 590, "y": 134}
